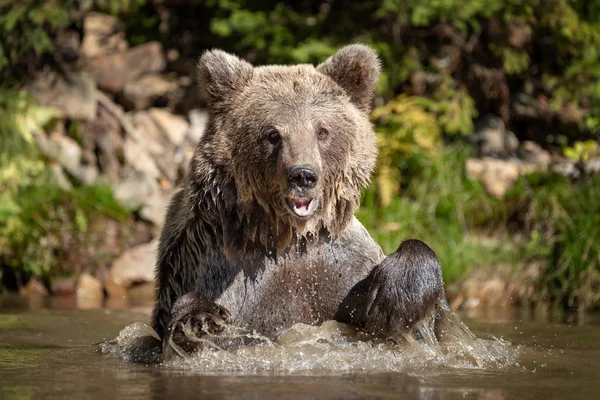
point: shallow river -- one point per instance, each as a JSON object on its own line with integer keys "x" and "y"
{"x": 63, "y": 353}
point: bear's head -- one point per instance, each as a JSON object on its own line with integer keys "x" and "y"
{"x": 287, "y": 149}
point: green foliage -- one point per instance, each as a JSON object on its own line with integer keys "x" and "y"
{"x": 563, "y": 220}
{"x": 277, "y": 33}
{"x": 410, "y": 126}
{"x": 25, "y": 28}
{"x": 404, "y": 129}
{"x": 577, "y": 40}
{"x": 119, "y": 7}
{"x": 515, "y": 61}
{"x": 434, "y": 37}
{"x": 20, "y": 162}
{"x": 581, "y": 151}
{"x": 423, "y": 13}
{"x": 453, "y": 107}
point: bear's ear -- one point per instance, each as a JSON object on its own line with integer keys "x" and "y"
{"x": 222, "y": 74}
{"x": 356, "y": 69}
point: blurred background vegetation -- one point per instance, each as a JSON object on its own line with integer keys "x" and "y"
{"x": 531, "y": 66}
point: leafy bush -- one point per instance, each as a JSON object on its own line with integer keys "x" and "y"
{"x": 26, "y": 26}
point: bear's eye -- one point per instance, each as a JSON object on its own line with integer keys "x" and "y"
{"x": 273, "y": 135}
{"x": 322, "y": 133}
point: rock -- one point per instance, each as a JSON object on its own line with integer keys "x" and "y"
{"x": 523, "y": 287}
{"x": 102, "y": 34}
{"x": 174, "y": 126}
{"x": 494, "y": 292}
{"x": 135, "y": 265}
{"x": 67, "y": 153}
{"x": 115, "y": 290}
{"x": 113, "y": 71}
{"x": 592, "y": 167}
{"x": 104, "y": 135}
{"x": 188, "y": 154}
{"x": 519, "y": 34}
{"x": 64, "y": 287}
{"x": 135, "y": 189}
{"x": 497, "y": 286}
{"x": 89, "y": 288}
{"x": 198, "y": 119}
{"x": 157, "y": 144}
{"x": 59, "y": 176}
{"x": 155, "y": 209}
{"x": 88, "y": 302}
{"x": 573, "y": 170}
{"x": 34, "y": 288}
{"x": 67, "y": 43}
{"x": 74, "y": 98}
{"x": 533, "y": 153}
{"x": 525, "y": 106}
{"x": 566, "y": 168}
{"x": 138, "y": 159}
{"x": 497, "y": 176}
{"x": 144, "y": 91}
{"x": 484, "y": 292}
{"x": 492, "y": 139}
{"x": 155, "y": 140}
{"x": 141, "y": 294}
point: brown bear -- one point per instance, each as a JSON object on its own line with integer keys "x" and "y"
{"x": 263, "y": 232}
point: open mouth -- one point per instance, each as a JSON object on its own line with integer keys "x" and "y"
{"x": 301, "y": 206}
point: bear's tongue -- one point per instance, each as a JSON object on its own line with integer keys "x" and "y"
{"x": 302, "y": 206}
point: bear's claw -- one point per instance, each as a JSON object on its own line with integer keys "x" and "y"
{"x": 194, "y": 318}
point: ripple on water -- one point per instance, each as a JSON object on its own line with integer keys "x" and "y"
{"x": 334, "y": 348}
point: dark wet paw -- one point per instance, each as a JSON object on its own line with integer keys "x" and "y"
{"x": 194, "y": 319}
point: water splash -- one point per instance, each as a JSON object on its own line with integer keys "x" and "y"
{"x": 335, "y": 348}
{"x": 136, "y": 342}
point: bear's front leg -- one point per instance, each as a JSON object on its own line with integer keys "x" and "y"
{"x": 403, "y": 290}
{"x": 193, "y": 319}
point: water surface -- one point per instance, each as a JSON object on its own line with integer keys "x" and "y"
{"x": 53, "y": 353}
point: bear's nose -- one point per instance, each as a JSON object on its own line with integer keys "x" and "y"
{"x": 303, "y": 177}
